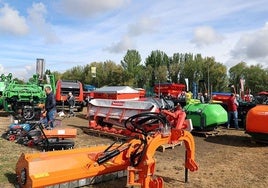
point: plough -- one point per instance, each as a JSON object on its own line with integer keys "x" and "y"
{"x": 133, "y": 158}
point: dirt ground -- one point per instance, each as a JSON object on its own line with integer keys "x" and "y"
{"x": 228, "y": 159}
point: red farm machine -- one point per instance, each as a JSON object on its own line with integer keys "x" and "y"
{"x": 108, "y": 115}
{"x": 172, "y": 91}
{"x": 133, "y": 158}
{"x": 63, "y": 87}
{"x": 169, "y": 89}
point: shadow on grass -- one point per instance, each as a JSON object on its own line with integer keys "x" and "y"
{"x": 234, "y": 140}
{"x": 77, "y": 126}
{"x": 4, "y": 114}
{"x": 173, "y": 181}
{"x": 12, "y": 178}
{"x": 81, "y": 115}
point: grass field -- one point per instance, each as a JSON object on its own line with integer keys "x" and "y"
{"x": 9, "y": 154}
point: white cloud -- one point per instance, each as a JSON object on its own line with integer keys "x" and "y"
{"x": 252, "y": 45}
{"x": 11, "y": 22}
{"x": 205, "y": 35}
{"x": 86, "y": 8}
{"x": 123, "y": 45}
{"x": 36, "y": 15}
{"x": 142, "y": 26}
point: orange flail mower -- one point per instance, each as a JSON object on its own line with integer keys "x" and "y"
{"x": 133, "y": 158}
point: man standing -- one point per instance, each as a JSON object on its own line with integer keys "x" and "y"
{"x": 50, "y": 107}
{"x": 71, "y": 102}
{"x": 232, "y": 111}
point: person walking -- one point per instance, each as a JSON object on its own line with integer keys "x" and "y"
{"x": 50, "y": 108}
{"x": 232, "y": 111}
{"x": 71, "y": 102}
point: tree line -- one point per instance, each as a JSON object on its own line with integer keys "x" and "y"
{"x": 158, "y": 67}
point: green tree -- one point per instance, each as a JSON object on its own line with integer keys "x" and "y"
{"x": 110, "y": 74}
{"x": 216, "y": 75}
{"x": 176, "y": 67}
{"x": 75, "y": 73}
{"x": 156, "y": 61}
{"x": 57, "y": 75}
{"x": 206, "y": 72}
{"x": 131, "y": 66}
{"x": 256, "y": 78}
{"x": 236, "y": 73}
{"x": 189, "y": 70}
{"x": 94, "y": 79}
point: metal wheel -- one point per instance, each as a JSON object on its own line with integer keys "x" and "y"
{"x": 28, "y": 113}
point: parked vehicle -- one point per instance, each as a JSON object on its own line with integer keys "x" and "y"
{"x": 133, "y": 158}
{"x": 63, "y": 87}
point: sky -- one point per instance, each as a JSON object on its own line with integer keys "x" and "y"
{"x": 68, "y": 33}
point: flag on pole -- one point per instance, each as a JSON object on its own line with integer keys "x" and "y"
{"x": 187, "y": 84}
{"x": 242, "y": 83}
{"x": 93, "y": 72}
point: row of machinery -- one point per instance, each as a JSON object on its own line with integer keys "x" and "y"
{"x": 27, "y": 97}
{"x": 133, "y": 158}
{"x": 33, "y": 134}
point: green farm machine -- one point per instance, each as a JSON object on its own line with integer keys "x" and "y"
{"x": 25, "y": 98}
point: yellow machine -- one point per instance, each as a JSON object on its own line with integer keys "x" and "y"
{"x": 134, "y": 158}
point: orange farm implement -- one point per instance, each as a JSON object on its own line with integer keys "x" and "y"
{"x": 256, "y": 123}
{"x": 133, "y": 158}
{"x": 33, "y": 134}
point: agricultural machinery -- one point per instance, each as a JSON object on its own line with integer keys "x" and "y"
{"x": 173, "y": 91}
{"x": 33, "y": 134}
{"x": 256, "y": 123}
{"x": 133, "y": 158}
{"x": 243, "y": 107}
{"x": 63, "y": 87}
{"x": 25, "y": 97}
{"x": 205, "y": 117}
{"x": 108, "y": 116}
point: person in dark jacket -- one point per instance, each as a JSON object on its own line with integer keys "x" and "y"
{"x": 50, "y": 108}
{"x": 71, "y": 102}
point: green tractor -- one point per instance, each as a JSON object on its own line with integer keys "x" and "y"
{"x": 22, "y": 98}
